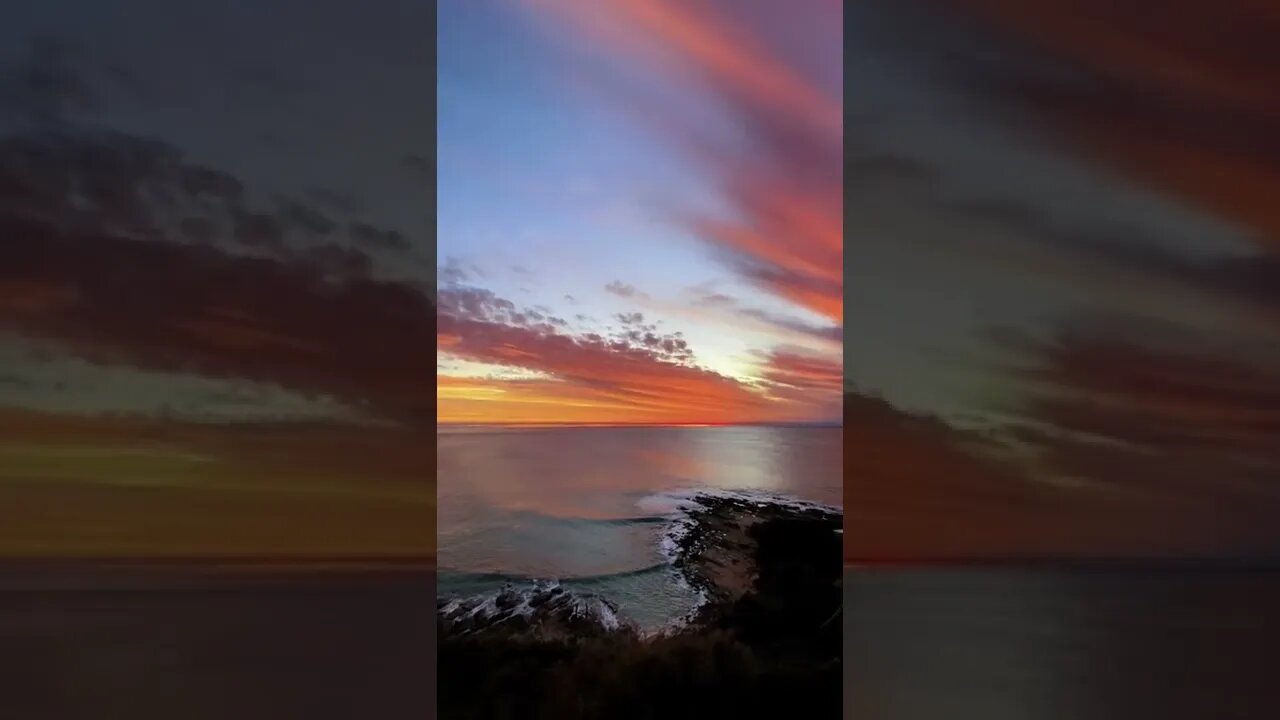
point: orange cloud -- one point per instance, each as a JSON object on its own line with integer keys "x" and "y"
{"x": 636, "y": 375}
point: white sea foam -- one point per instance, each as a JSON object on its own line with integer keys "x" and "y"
{"x": 526, "y": 601}
{"x": 679, "y": 501}
{"x": 676, "y": 505}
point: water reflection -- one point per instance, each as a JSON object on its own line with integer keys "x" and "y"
{"x": 600, "y": 472}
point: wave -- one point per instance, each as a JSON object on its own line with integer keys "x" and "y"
{"x": 482, "y": 600}
{"x": 543, "y": 607}
{"x": 677, "y": 505}
{"x": 459, "y": 577}
{"x": 677, "y": 502}
{"x": 558, "y": 519}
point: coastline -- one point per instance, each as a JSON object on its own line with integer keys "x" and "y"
{"x": 767, "y": 637}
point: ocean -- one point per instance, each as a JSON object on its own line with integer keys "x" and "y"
{"x": 167, "y": 639}
{"x": 1161, "y": 642}
{"x": 590, "y": 507}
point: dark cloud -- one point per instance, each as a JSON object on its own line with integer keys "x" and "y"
{"x": 305, "y": 218}
{"x": 831, "y": 333}
{"x": 47, "y": 86}
{"x": 1130, "y": 443}
{"x": 372, "y": 237}
{"x": 1160, "y": 398}
{"x": 419, "y": 168}
{"x": 164, "y": 306}
{"x": 870, "y": 169}
{"x": 198, "y": 230}
{"x": 258, "y": 230}
{"x": 114, "y": 248}
{"x": 621, "y": 289}
{"x": 712, "y": 299}
{"x": 1185, "y": 105}
{"x": 336, "y": 201}
{"x": 1100, "y": 251}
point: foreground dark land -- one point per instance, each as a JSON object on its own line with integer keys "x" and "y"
{"x": 768, "y": 641}
{"x": 93, "y": 640}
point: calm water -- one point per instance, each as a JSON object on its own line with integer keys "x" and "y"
{"x": 78, "y": 643}
{"x": 1154, "y": 644}
{"x": 588, "y": 506}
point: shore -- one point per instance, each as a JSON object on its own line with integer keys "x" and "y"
{"x": 767, "y": 639}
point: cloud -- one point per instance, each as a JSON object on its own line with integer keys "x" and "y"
{"x": 621, "y": 289}
{"x": 164, "y": 306}
{"x": 1173, "y": 104}
{"x": 1190, "y": 437}
{"x": 1164, "y": 400}
{"x": 917, "y": 489}
{"x": 830, "y": 333}
{"x": 1125, "y": 261}
{"x": 419, "y": 168}
{"x": 160, "y": 264}
{"x": 1126, "y": 441}
{"x": 714, "y": 299}
{"x": 452, "y": 273}
{"x": 368, "y": 236}
{"x": 139, "y": 187}
{"x": 634, "y": 373}
{"x": 47, "y": 86}
{"x": 336, "y": 201}
{"x": 305, "y": 218}
{"x": 729, "y": 309}
{"x": 778, "y": 163}
{"x": 805, "y": 380}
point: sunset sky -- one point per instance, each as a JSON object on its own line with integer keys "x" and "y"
{"x": 639, "y": 211}
{"x": 215, "y": 318}
{"x": 224, "y": 280}
{"x": 1062, "y": 287}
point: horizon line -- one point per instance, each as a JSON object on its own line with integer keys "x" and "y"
{"x": 805, "y": 423}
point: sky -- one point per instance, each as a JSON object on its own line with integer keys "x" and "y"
{"x": 639, "y": 212}
{"x": 221, "y": 291}
{"x": 1061, "y": 280}
{"x": 216, "y": 279}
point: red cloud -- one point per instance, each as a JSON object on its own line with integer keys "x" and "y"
{"x": 628, "y": 379}
{"x": 784, "y": 181}
{"x": 1128, "y": 450}
{"x": 165, "y": 306}
{"x": 636, "y": 375}
{"x": 1186, "y": 101}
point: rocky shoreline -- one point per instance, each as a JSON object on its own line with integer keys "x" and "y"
{"x": 767, "y": 637}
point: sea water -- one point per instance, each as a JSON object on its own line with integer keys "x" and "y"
{"x": 590, "y": 507}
